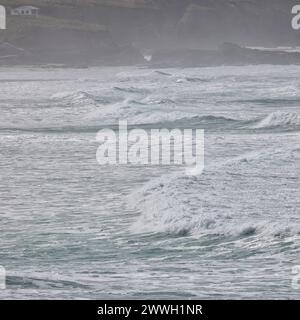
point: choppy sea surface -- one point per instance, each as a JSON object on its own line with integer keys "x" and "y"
{"x": 72, "y": 229}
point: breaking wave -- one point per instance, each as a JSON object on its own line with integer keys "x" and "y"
{"x": 80, "y": 98}
{"x": 218, "y": 202}
{"x": 279, "y": 119}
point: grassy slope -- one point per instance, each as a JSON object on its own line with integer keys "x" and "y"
{"x": 20, "y": 26}
{"x": 115, "y": 3}
{"x": 51, "y": 22}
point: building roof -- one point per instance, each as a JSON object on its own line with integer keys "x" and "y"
{"x": 26, "y": 8}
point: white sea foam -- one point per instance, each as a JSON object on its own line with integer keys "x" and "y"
{"x": 279, "y": 119}
{"x": 80, "y": 98}
{"x": 238, "y": 197}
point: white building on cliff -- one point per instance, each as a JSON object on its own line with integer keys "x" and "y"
{"x": 25, "y": 11}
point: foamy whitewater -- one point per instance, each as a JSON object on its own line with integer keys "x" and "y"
{"x": 72, "y": 229}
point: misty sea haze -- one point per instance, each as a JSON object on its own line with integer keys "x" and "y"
{"x": 72, "y": 229}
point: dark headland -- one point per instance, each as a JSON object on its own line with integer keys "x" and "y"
{"x": 168, "y": 33}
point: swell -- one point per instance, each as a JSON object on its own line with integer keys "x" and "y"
{"x": 79, "y": 98}
{"x": 86, "y": 111}
{"x": 110, "y": 114}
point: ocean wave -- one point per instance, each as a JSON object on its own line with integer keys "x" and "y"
{"x": 278, "y": 119}
{"x": 38, "y": 282}
{"x": 214, "y": 118}
{"x": 162, "y": 73}
{"x": 161, "y": 101}
{"x": 195, "y": 79}
{"x": 132, "y": 90}
{"x": 151, "y": 109}
{"x": 80, "y": 98}
{"x": 228, "y": 199}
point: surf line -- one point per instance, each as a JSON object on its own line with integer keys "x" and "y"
{"x": 112, "y": 311}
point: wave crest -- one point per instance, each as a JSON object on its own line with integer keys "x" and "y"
{"x": 224, "y": 200}
{"x": 279, "y": 119}
{"x": 80, "y": 98}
